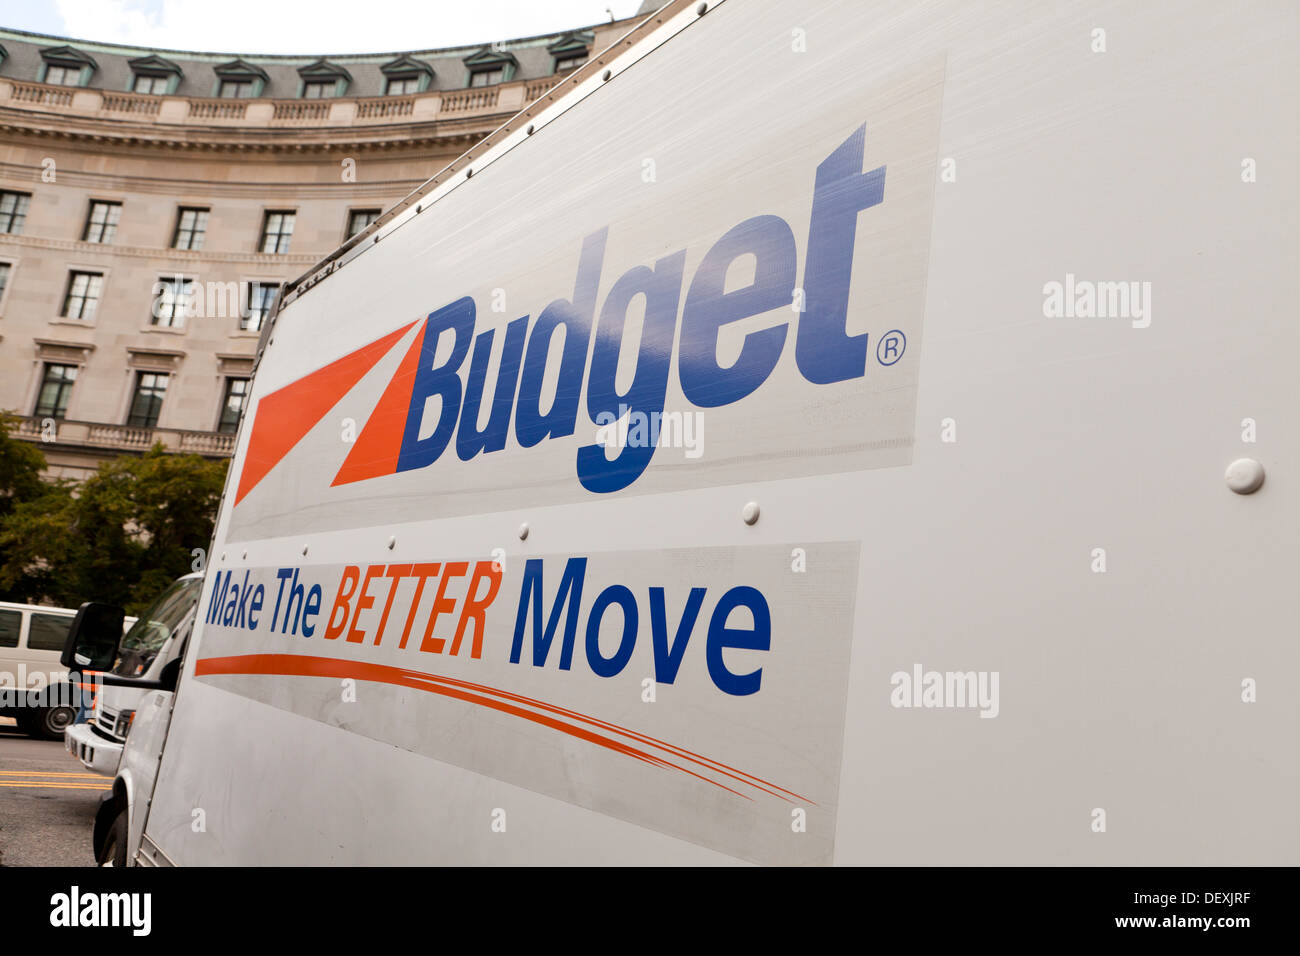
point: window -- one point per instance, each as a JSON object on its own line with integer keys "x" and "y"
{"x": 144, "y": 83}
{"x": 58, "y": 75}
{"x": 323, "y": 80}
{"x": 276, "y": 230}
{"x": 13, "y": 211}
{"x": 172, "y": 298}
{"x": 154, "y": 628}
{"x": 154, "y": 74}
{"x": 66, "y": 66}
{"x": 358, "y": 219}
{"x": 261, "y": 295}
{"x": 233, "y": 405}
{"x": 11, "y": 624}
{"x": 191, "y": 226}
{"x": 318, "y": 89}
{"x": 487, "y": 77}
{"x": 56, "y": 389}
{"x": 404, "y": 75}
{"x": 399, "y": 85}
{"x": 83, "y": 295}
{"x": 235, "y": 89}
{"x": 48, "y": 632}
{"x": 146, "y": 403}
{"x": 4, "y": 280}
{"x": 570, "y": 51}
{"x": 101, "y": 224}
{"x": 239, "y": 79}
{"x": 563, "y": 63}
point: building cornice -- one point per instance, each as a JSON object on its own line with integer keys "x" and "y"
{"x": 17, "y": 173}
{"x": 407, "y": 136}
{"x": 64, "y": 344}
{"x": 183, "y": 259}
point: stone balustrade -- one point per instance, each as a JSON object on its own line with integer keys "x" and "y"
{"x": 433, "y": 105}
{"x": 124, "y": 438}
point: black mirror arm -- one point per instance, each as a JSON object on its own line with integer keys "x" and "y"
{"x": 108, "y": 680}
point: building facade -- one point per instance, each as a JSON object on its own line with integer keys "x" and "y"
{"x": 151, "y": 201}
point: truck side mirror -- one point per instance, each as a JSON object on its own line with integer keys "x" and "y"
{"x": 93, "y": 638}
{"x": 170, "y": 675}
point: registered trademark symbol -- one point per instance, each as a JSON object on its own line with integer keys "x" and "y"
{"x": 891, "y": 347}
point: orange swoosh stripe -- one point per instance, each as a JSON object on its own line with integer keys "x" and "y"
{"x": 503, "y": 701}
{"x": 734, "y": 773}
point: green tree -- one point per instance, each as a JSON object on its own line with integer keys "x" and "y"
{"x": 120, "y": 536}
{"x": 21, "y": 464}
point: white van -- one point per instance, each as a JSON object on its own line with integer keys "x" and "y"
{"x": 771, "y": 454}
{"x": 34, "y": 688}
{"x": 152, "y": 643}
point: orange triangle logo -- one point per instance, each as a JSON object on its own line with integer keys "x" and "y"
{"x": 379, "y": 445}
{"x": 286, "y": 415}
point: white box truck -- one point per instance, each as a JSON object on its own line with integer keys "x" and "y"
{"x": 764, "y": 448}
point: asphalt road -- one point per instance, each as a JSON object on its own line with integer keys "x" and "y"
{"x": 47, "y": 802}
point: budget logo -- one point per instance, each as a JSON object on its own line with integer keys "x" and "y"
{"x": 434, "y": 403}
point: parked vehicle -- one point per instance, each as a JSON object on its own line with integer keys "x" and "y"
{"x": 35, "y": 689}
{"x": 152, "y": 644}
{"x": 680, "y": 475}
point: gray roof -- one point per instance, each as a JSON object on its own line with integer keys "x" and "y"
{"x": 113, "y": 72}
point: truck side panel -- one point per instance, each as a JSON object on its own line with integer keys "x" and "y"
{"x": 869, "y": 508}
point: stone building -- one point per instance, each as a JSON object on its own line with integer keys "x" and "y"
{"x": 151, "y": 201}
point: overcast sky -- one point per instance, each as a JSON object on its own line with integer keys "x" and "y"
{"x": 305, "y": 26}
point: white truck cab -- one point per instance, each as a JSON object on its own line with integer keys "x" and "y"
{"x": 153, "y": 642}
